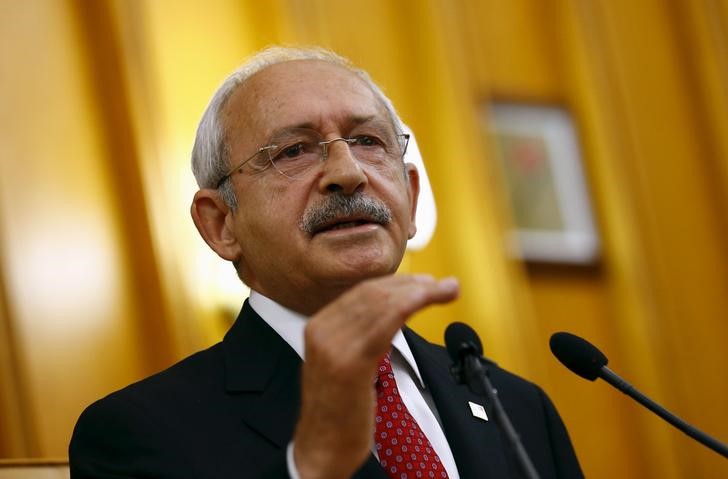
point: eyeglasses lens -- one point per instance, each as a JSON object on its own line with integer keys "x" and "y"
{"x": 295, "y": 151}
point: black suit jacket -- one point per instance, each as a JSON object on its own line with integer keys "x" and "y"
{"x": 229, "y": 412}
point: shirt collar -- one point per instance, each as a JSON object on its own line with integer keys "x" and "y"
{"x": 290, "y": 325}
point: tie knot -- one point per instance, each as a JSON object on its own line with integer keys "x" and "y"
{"x": 385, "y": 366}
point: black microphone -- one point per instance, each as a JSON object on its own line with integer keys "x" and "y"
{"x": 462, "y": 341}
{"x": 585, "y": 360}
{"x": 461, "y": 338}
{"x": 471, "y": 368}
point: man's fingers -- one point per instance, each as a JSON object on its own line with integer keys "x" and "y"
{"x": 425, "y": 291}
{"x": 366, "y": 317}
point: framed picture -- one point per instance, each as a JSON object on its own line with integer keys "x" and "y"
{"x": 538, "y": 152}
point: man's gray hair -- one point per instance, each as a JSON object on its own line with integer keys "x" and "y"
{"x": 210, "y": 161}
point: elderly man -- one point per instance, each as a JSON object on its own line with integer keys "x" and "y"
{"x": 303, "y": 187}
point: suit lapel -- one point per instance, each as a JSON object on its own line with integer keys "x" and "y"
{"x": 262, "y": 372}
{"x": 476, "y": 444}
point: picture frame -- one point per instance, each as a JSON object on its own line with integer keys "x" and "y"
{"x": 538, "y": 154}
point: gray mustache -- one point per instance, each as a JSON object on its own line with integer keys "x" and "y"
{"x": 338, "y": 205}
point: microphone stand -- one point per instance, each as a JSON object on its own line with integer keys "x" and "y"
{"x": 475, "y": 374}
{"x": 612, "y": 378}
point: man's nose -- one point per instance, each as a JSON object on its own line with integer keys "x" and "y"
{"x": 341, "y": 170}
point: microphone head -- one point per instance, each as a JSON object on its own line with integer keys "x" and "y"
{"x": 459, "y": 337}
{"x": 579, "y": 355}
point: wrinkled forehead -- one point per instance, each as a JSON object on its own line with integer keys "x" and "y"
{"x": 315, "y": 93}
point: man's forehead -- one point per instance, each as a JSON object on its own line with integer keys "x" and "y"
{"x": 292, "y": 71}
{"x": 299, "y": 91}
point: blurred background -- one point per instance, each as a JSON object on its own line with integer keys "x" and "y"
{"x": 103, "y": 279}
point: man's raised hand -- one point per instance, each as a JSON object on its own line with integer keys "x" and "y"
{"x": 344, "y": 343}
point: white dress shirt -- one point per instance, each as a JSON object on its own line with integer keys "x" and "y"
{"x": 290, "y": 325}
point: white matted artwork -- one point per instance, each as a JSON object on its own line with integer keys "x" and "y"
{"x": 539, "y": 156}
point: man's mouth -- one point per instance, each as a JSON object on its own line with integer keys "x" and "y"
{"x": 340, "y": 224}
{"x": 347, "y": 224}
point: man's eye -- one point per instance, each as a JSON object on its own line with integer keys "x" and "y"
{"x": 367, "y": 140}
{"x": 294, "y": 150}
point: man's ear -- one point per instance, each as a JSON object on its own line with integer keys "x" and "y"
{"x": 413, "y": 190}
{"x": 209, "y": 212}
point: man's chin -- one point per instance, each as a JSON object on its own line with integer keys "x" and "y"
{"x": 355, "y": 266}
{"x": 350, "y": 258}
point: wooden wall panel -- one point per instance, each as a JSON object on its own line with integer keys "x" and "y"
{"x": 63, "y": 259}
{"x": 521, "y": 53}
{"x": 639, "y": 79}
{"x": 681, "y": 215}
{"x": 16, "y": 439}
{"x": 173, "y": 56}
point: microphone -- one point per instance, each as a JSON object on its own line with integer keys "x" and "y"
{"x": 470, "y": 367}
{"x": 587, "y": 361}
{"x": 461, "y": 339}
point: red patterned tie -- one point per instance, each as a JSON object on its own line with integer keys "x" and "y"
{"x": 403, "y": 449}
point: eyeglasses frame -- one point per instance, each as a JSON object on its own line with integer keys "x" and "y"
{"x": 324, "y": 154}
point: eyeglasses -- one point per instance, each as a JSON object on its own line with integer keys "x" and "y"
{"x": 294, "y": 151}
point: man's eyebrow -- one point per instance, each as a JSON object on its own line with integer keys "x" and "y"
{"x": 350, "y": 122}
{"x": 375, "y": 120}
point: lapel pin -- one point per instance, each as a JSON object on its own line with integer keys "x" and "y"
{"x": 478, "y": 410}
